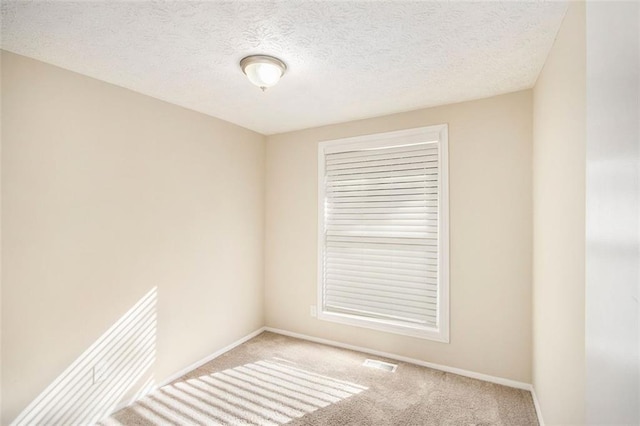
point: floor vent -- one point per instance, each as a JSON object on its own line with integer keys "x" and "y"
{"x": 380, "y": 365}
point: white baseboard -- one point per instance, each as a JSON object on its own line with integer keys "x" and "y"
{"x": 211, "y": 357}
{"x": 454, "y": 370}
{"x": 536, "y": 404}
{"x": 196, "y": 364}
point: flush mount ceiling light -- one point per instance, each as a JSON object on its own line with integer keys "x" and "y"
{"x": 262, "y": 70}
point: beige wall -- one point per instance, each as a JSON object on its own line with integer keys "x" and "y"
{"x": 108, "y": 194}
{"x": 559, "y": 111}
{"x": 490, "y": 213}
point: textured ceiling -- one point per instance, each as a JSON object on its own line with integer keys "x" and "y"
{"x": 346, "y": 60}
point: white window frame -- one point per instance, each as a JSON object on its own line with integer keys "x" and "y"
{"x": 436, "y": 133}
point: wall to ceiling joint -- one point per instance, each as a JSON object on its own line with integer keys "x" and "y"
{"x": 490, "y": 242}
{"x": 111, "y": 199}
{"x": 559, "y": 125}
{"x": 132, "y": 240}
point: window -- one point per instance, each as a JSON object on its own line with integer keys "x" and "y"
{"x": 383, "y": 232}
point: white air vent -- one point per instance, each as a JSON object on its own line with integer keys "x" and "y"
{"x": 380, "y": 365}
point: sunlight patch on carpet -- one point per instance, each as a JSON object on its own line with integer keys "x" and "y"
{"x": 267, "y": 392}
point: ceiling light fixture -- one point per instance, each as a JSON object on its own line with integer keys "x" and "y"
{"x": 262, "y": 70}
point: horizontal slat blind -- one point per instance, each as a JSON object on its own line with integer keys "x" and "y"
{"x": 381, "y": 233}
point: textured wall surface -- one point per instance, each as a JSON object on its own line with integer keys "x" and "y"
{"x": 559, "y": 115}
{"x": 347, "y": 60}
{"x": 490, "y": 240}
{"x": 132, "y": 240}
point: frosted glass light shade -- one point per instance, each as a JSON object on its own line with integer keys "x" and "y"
{"x": 263, "y": 71}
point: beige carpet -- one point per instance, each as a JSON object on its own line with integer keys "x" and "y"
{"x": 273, "y": 380}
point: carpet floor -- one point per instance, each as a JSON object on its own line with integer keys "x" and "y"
{"x": 273, "y": 379}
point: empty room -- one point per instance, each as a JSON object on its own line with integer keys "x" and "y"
{"x": 320, "y": 213}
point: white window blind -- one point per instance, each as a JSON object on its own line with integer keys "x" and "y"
{"x": 381, "y": 231}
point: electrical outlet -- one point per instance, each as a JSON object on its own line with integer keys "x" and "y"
{"x": 312, "y": 311}
{"x": 99, "y": 372}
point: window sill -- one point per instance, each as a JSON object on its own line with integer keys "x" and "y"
{"x": 427, "y": 333}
